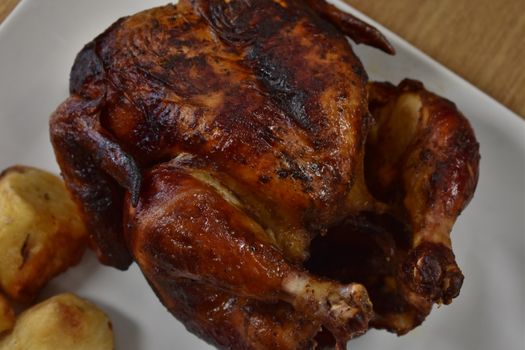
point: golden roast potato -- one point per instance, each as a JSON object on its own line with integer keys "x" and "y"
{"x": 41, "y": 233}
{"x": 63, "y": 322}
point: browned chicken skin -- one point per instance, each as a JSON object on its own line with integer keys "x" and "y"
{"x": 227, "y": 147}
{"x": 421, "y": 162}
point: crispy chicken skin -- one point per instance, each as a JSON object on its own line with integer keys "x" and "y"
{"x": 275, "y": 99}
{"x": 228, "y": 146}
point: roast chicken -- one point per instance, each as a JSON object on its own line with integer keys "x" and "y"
{"x": 272, "y": 196}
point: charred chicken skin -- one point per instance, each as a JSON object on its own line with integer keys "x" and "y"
{"x": 271, "y": 195}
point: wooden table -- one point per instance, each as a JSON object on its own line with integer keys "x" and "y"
{"x": 481, "y": 40}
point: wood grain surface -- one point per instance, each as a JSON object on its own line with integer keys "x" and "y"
{"x": 6, "y": 6}
{"x": 481, "y": 40}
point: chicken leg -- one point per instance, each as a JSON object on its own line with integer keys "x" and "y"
{"x": 423, "y": 158}
{"x": 186, "y": 226}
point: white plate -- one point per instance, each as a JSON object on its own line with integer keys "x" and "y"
{"x": 38, "y": 43}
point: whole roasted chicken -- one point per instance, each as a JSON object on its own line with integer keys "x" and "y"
{"x": 273, "y": 198}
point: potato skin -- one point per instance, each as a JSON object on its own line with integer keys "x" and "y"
{"x": 7, "y": 315}
{"x": 41, "y": 233}
{"x": 62, "y": 322}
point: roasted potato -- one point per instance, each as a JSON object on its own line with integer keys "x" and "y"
{"x": 7, "y": 315}
{"x": 63, "y": 322}
{"x": 41, "y": 233}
